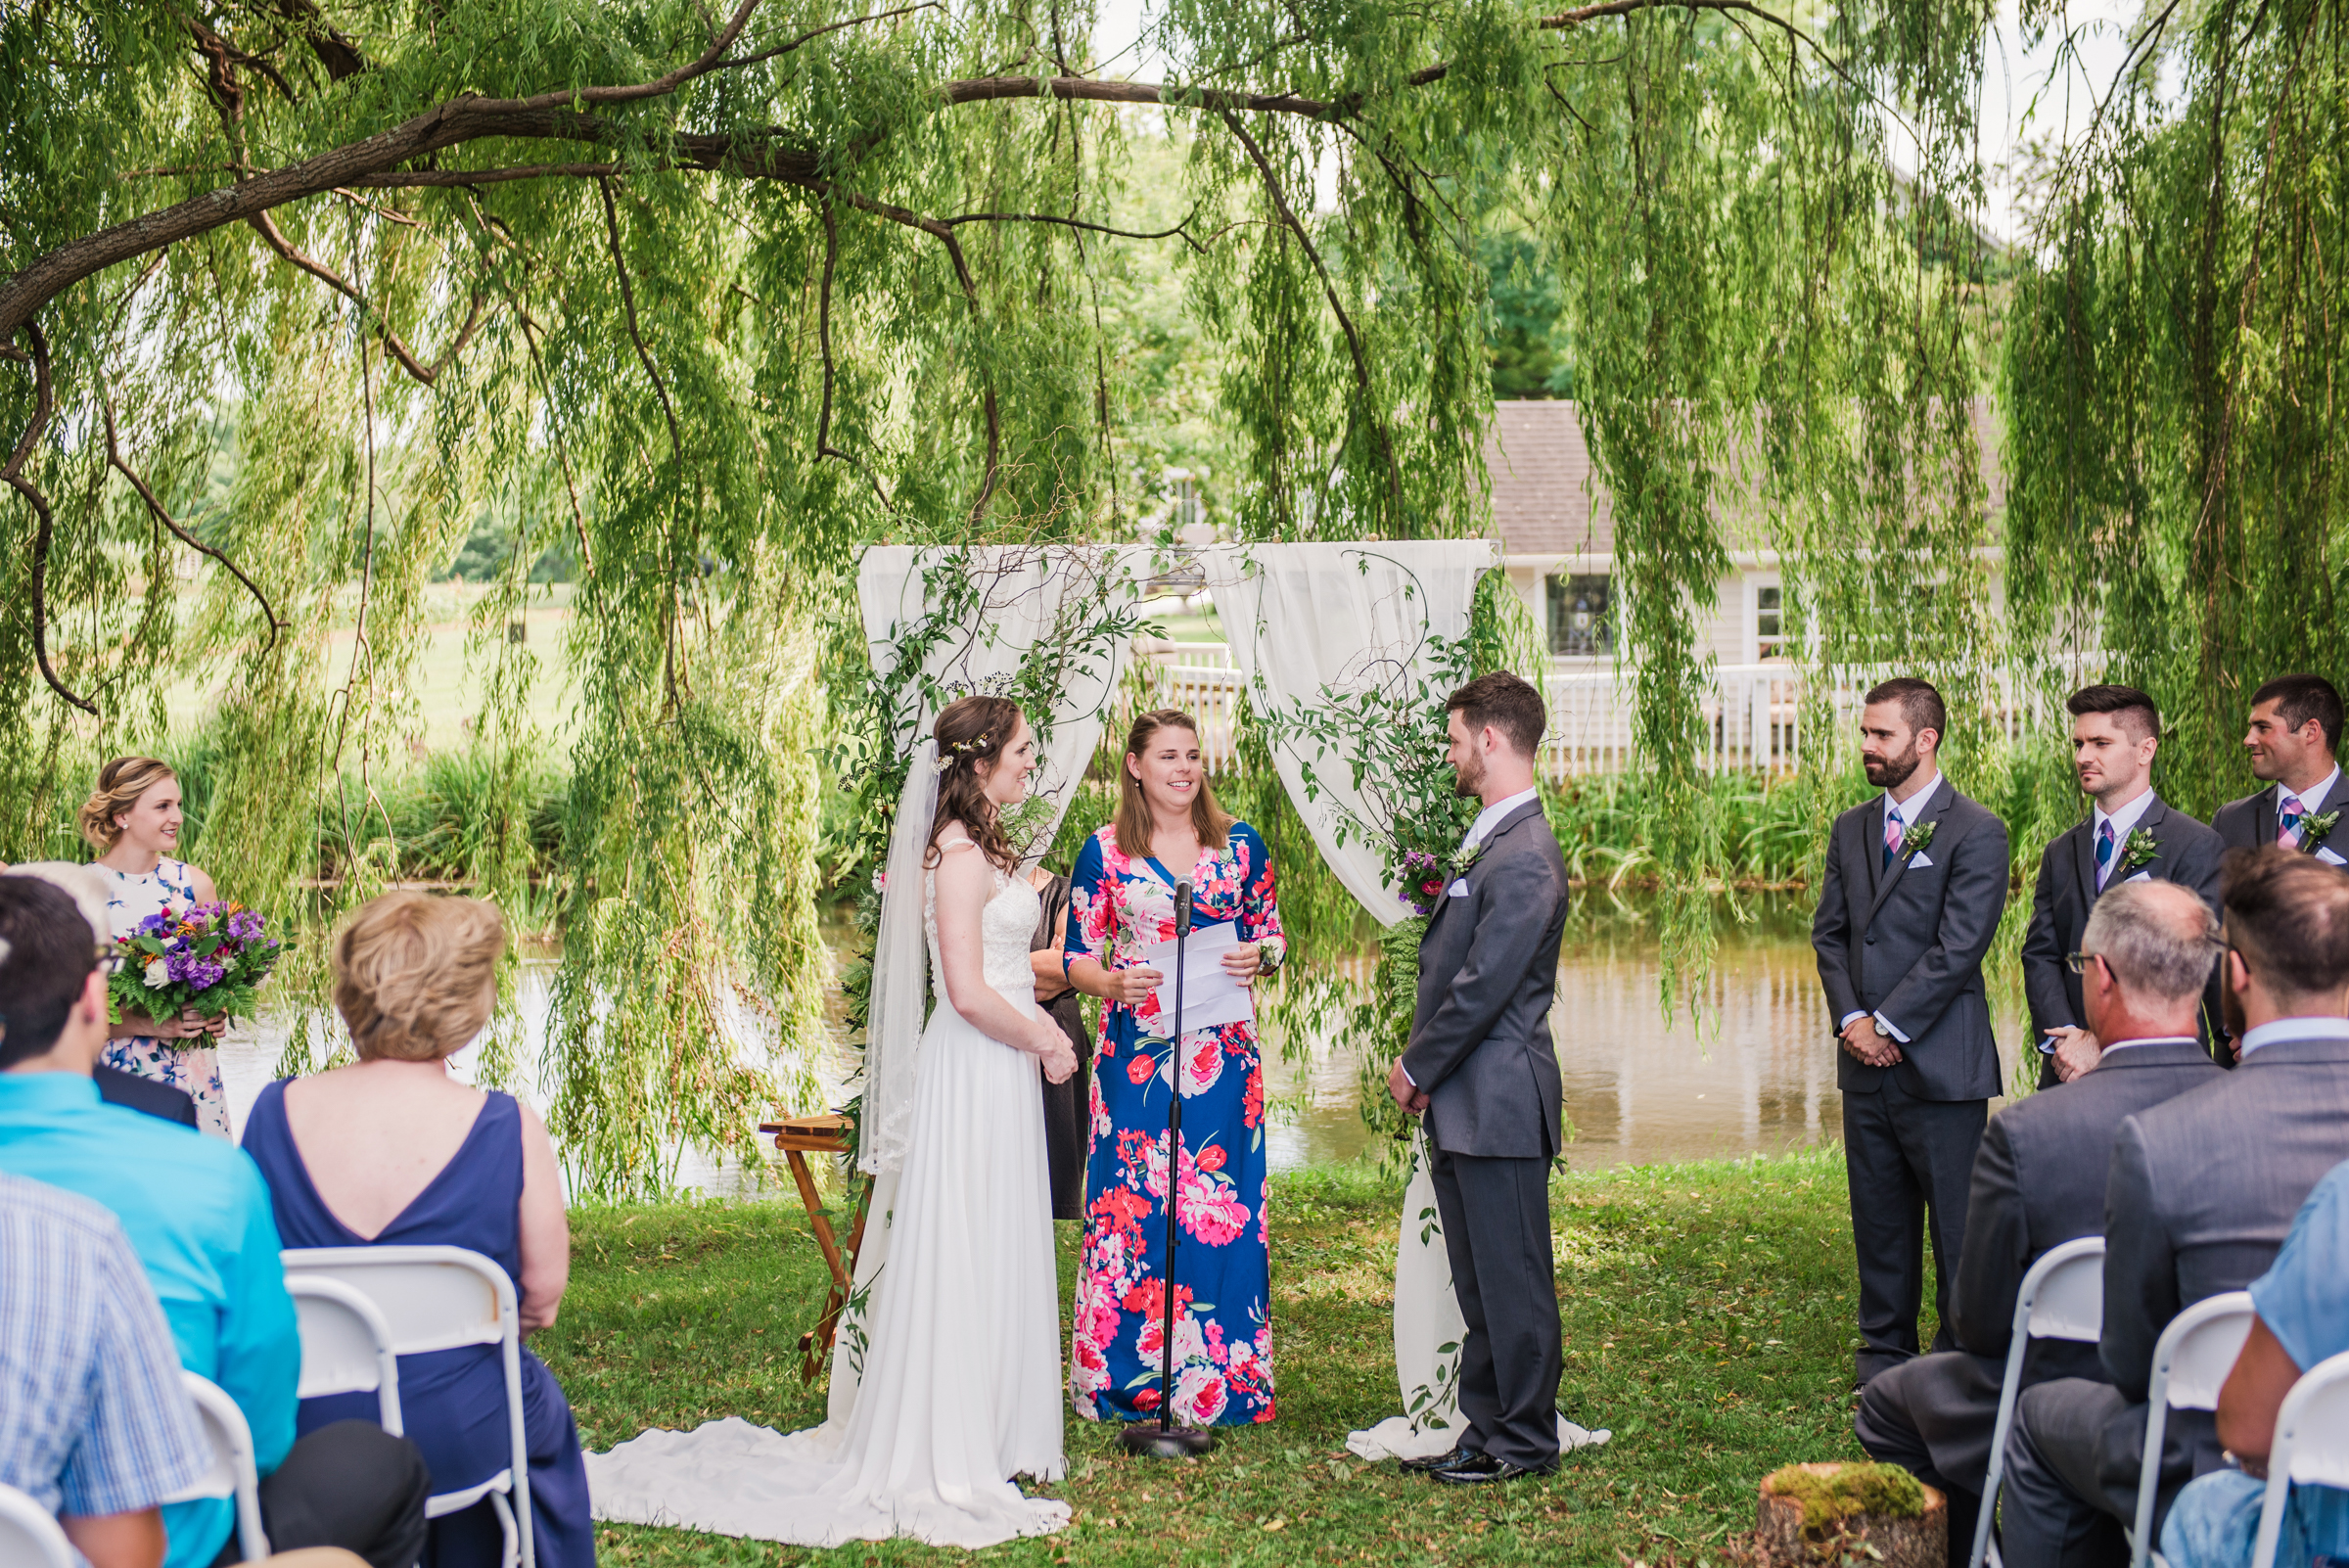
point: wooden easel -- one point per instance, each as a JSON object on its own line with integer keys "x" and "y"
{"x": 798, "y": 1137}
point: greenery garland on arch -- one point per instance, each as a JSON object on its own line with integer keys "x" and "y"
{"x": 293, "y": 295}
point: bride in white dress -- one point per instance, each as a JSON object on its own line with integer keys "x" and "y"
{"x": 946, "y": 1377}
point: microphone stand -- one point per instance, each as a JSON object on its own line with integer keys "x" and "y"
{"x": 1166, "y": 1440}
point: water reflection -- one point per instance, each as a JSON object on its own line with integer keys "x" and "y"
{"x": 1753, "y": 1072}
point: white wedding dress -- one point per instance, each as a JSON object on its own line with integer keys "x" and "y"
{"x": 959, "y": 1338}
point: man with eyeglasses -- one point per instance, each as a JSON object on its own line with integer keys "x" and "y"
{"x": 197, "y": 1214}
{"x": 114, "y": 1086}
{"x": 2039, "y": 1182}
{"x": 2198, "y": 1196}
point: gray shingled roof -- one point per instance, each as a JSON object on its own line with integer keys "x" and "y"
{"x": 1546, "y": 500}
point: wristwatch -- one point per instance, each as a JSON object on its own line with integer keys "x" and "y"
{"x": 1883, "y": 1032}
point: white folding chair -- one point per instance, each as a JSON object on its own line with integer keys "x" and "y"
{"x": 2311, "y": 1447}
{"x": 232, "y": 1473}
{"x": 345, "y": 1345}
{"x": 2062, "y": 1297}
{"x": 30, "y": 1537}
{"x": 2191, "y": 1364}
{"x": 444, "y": 1298}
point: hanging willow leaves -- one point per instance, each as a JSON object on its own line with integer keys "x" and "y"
{"x": 705, "y": 300}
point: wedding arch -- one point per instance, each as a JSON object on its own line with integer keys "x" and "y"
{"x": 1346, "y": 652}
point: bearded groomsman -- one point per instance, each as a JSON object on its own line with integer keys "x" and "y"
{"x": 2129, "y": 835}
{"x": 2293, "y": 739}
{"x": 1916, "y": 879}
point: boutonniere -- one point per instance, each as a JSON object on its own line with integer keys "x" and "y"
{"x": 1917, "y": 836}
{"x": 1426, "y": 876}
{"x": 2314, "y": 828}
{"x": 2137, "y": 851}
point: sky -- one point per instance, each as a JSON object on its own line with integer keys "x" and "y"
{"x": 2027, "y": 94}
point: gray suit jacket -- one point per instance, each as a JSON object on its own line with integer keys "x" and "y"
{"x": 2067, "y": 891}
{"x": 2039, "y": 1182}
{"x": 2202, "y": 1192}
{"x": 1480, "y": 1045}
{"x": 2250, "y": 822}
{"x": 1908, "y": 942}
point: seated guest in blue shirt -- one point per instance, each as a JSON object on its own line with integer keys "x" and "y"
{"x": 197, "y": 1214}
{"x": 392, "y": 1150}
{"x": 94, "y": 1424}
{"x": 2303, "y": 1301}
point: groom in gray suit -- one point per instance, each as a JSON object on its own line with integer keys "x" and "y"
{"x": 1481, "y": 1070}
{"x": 1916, "y": 880}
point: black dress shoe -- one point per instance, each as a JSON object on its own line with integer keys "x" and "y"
{"x": 1450, "y": 1456}
{"x": 1483, "y": 1469}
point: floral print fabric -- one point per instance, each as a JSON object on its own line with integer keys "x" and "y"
{"x": 1223, "y": 1336}
{"x": 193, "y": 1070}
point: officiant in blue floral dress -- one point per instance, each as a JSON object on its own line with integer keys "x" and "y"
{"x": 1169, "y": 828}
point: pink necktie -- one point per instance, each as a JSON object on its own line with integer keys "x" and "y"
{"x": 1893, "y": 832}
{"x": 2288, "y": 815}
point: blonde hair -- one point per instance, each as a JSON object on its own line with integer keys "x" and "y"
{"x": 121, "y": 783}
{"x": 413, "y": 974}
{"x": 1210, "y": 824}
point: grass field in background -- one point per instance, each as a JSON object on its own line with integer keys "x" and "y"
{"x": 1708, "y": 1323}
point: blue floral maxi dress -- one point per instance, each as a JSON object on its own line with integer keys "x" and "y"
{"x": 1222, "y": 1335}
{"x": 191, "y": 1069}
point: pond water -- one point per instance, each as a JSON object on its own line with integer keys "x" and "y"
{"x": 1755, "y": 1072}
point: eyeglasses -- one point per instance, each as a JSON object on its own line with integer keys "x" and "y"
{"x": 2077, "y": 962}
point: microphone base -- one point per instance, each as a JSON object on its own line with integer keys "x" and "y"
{"x": 1168, "y": 1442}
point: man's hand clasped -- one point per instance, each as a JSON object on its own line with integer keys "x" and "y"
{"x": 2076, "y": 1051}
{"x": 1408, "y": 1095}
{"x": 1873, "y": 1050}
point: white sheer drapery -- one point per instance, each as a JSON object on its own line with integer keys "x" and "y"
{"x": 1305, "y": 619}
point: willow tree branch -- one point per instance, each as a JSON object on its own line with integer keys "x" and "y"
{"x": 627, "y": 298}
{"x": 266, "y": 227}
{"x": 114, "y": 458}
{"x": 814, "y": 33}
{"x": 44, "y": 404}
{"x": 1183, "y": 229}
{"x": 823, "y": 337}
{"x": 1329, "y": 291}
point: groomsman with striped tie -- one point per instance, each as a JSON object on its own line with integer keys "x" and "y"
{"x": 2129, "y": 835}
{"x": 2294, "y": 732}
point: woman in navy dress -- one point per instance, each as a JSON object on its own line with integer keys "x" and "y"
{"x": 392, "y": 1151}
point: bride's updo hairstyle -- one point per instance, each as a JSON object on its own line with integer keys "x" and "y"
{"x": 1209, "y": 822}
{"x": 972, "y": 734}
{"x": 121, "y": 783}
{"x": 413, "y": 973}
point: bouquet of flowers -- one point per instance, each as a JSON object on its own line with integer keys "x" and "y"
{"x": 1425, "y": 875}
{"x": 211, "y": 958}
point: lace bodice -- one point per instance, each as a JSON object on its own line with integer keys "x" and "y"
{"x": 1007, "y": 925}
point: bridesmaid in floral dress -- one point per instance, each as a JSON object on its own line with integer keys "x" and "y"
{"x": 132, "y": 820}
{"x": 1167, "y": 827}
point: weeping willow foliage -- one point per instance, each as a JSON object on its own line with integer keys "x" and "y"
{"x": 709, "y": 298}
{"x": 2174, "y": 377}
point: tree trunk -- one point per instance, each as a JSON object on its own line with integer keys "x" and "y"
{"x": 1918, "y": 1543}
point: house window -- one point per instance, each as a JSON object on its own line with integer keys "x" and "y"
{"x": 1770, "y": 639}
{"x": 1186, "y": 502}
{"x": 1578, "y": 624}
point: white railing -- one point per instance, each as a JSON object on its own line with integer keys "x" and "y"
{"x": 1753, "y": 713}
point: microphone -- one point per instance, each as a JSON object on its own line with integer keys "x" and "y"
{"x": 1182, "y": 909}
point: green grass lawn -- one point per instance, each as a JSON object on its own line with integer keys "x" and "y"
{"x": 1707, "y": 1315}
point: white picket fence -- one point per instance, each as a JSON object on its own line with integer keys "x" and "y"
{"x": 1754, "y": 712}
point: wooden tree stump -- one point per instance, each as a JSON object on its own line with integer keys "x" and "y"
{"x": 1847, "y": 1504}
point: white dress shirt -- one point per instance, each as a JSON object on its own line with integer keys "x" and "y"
{"x": 1908, "y": 811}
{"x": 2151, "y": 1039}
{"x": 2324, "y": 1027}
{"x": 1489, "y": 817}
{"x": 2312, "y": 799}
{"x": 2124, "y": 822}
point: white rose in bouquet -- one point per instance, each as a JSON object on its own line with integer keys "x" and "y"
{"x": 159, "y": 974}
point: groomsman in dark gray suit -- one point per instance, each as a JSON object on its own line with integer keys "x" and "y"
{"x": 2038, "y": 1182}
{"x": 1481, "y": 1069}
{"x": 2200, "y": 1192}
{"x": 2293, "y": 735}
{"x": 2129, "y": 835}
{"x": 1916, "y": 879}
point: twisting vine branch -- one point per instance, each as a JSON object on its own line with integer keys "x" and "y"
{"x": 269, "y": 230}
{"x": 114, "y": 458}
{"x": 44, "y": 404}
{"x": 627, "y": 298}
